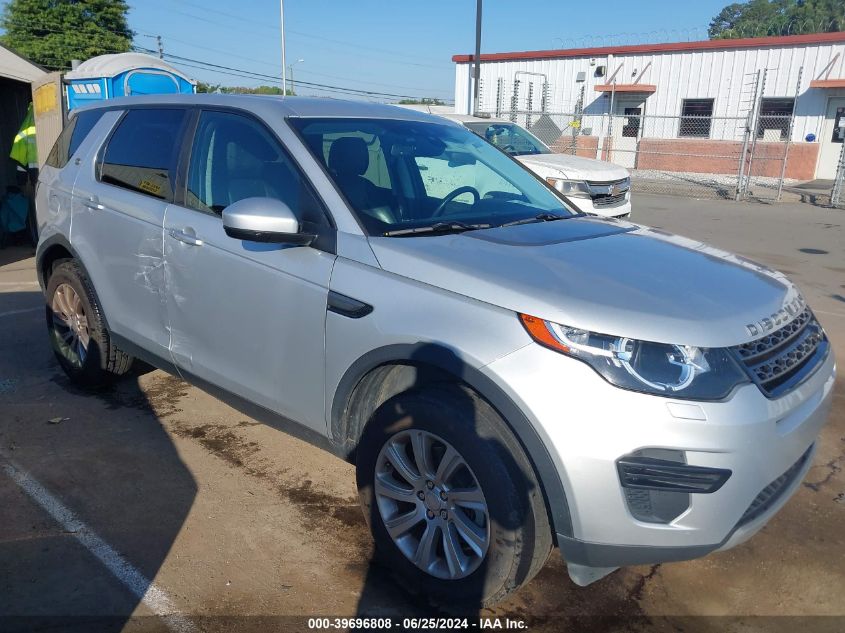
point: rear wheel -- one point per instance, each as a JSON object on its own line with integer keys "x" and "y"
{"x": 77, "y": 329}
{"x": 451, "y": 499}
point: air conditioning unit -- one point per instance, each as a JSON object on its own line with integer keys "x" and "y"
{"x": 581, "y": 76}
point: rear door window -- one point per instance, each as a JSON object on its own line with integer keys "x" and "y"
{"x": 72, "y": 136}
{"x": 142, "y": 152}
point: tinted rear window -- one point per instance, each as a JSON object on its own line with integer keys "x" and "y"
{"x": 72, "y": 136}
{"x": 141, "y": 154}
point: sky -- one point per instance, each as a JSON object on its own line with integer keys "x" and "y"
{"x": 398, "y": 47}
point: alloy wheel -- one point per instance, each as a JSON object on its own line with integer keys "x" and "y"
{"x": 70, "y": 324}
{"x": 431, "y": 504}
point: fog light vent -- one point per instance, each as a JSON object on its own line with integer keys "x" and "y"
{"x": 657, "y": 483}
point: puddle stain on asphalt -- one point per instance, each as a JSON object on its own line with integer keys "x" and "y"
{"x": 813, "y": 251}
{"x": 831, "y": 467}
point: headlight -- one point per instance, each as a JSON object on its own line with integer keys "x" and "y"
{"x": 676, "y": 371}
{"x": 574, "y": 188}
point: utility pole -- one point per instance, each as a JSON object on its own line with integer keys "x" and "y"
{"x": 160, "y": 47}
{"x": 290, "y": 70}
{"x": 284, "y": 64}
{"x": 477, "y": 58}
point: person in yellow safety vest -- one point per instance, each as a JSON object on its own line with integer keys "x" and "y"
{"x": 24, "y": 149}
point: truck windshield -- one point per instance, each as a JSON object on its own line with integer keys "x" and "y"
{"x": 398, "y": 175}
{"x": 509, "y": 137}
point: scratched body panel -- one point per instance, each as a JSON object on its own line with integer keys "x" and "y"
{"x": 122, "y": 232}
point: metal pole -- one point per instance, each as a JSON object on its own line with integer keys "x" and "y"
{"x": 282, "y": 29}
{"x": 836, "y": 193}
{"x": 741, "y": 185}
{"x": 789, "y": 134}
{"x": 755, "y": 128}
{"x": 477, "y": 58}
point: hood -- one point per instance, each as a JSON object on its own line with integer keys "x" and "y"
{"x": 599, "y": 274}
{"x": 573, "y": 167}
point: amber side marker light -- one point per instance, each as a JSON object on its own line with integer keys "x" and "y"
{"x": 539, "y": 331}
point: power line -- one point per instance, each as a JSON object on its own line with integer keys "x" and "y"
{"x": 303, "y": 33}
{"x": 256, "y": 75}
{"x": 300, "y": 71}
{"x": 240, "y": 72}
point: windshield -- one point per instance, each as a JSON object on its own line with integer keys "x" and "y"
{"x": 399, "y": 175}
{"x": 509, "y": 137}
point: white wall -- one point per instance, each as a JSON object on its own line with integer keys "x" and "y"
{"x": 724, "y": 75}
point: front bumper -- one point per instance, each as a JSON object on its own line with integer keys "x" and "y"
{"x": 618, "y": 210}
{"x": 588, "y": 425}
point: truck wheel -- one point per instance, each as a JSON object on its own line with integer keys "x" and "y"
{"x": 77, "y": 329}
{"x": 451, "y": 499}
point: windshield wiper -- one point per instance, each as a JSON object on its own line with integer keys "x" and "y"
{"x": 540, "y": 217}
{"x": 438, "y": 227}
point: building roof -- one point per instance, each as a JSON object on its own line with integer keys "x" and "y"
{"x": 114, "y": 64}
{"x": 634, "y": 49}
{"x": 14, "y": 66}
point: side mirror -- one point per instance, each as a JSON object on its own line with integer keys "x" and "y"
{"x": 264, "y": 220}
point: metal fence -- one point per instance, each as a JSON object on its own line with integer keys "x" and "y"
{"x": 737, "y": 157}
{"x": 837, "y": 194}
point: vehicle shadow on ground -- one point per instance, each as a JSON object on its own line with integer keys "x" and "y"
{"x": 103, "y": 456}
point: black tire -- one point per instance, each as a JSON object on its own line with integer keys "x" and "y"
{"x": 520, "y": 534}
{"x": 104, "y": 361}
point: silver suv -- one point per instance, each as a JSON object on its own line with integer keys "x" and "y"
{"x": 507, "y": 375}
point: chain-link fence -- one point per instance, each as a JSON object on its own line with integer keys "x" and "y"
{"x": 837, "y": 195}
{"x": 690, "y": 155}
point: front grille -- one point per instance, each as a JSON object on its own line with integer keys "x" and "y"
{"x": 610, "y": 193}
{"x": 608, "y": 201}
{"x": 774, "y": 491}
{"x": 780, "y": 361}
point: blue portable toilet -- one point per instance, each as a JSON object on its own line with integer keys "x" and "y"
{"x": 122, "y": 75}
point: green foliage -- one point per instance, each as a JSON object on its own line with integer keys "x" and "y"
{"x": 759, "y": 18}
{"x": 53, "y": 32}
{"x": 206, "y": 87}
{"x": 242, "y": 90}
{"x": 423, "y": 101}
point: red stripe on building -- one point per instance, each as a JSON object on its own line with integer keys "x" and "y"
{"x": 750, "y": 42}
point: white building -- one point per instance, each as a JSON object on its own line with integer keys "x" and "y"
{"x": 647, "y": 105}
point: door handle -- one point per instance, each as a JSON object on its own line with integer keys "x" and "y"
{"x": 186, "y": 238}
{"x": 93, "y": 202}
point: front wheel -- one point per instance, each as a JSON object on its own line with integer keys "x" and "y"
{"x": 451, "y": 499}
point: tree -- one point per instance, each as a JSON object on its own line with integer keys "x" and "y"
{"x": 423, "y": 101}
{"x": 207, "y": 87}
{"x": 243, "y": 90}
{"x": 759, "y": 18}
{"x": 53, "y": 32}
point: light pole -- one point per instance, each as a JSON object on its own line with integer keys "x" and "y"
{"x": 290, "y": 71}
{"x": 282, "y": 29}
{"x": 477, "y": 57}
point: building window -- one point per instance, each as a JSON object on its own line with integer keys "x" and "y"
{"x": 696, "y": 115}
{"x": 775, "y": 114}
